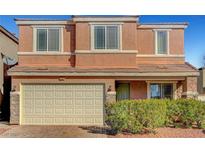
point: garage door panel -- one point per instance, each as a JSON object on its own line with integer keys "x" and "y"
{"x": 62, "y": 104}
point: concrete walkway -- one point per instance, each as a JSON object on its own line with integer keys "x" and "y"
{"x": 15, "y": 131}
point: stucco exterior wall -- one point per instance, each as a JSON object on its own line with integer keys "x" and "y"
{"x": 109, "y": 82}
{"x": 46, "y": 60}
{"x": 160, "y": 60}
{"x": 83, "y": 36}
{"x": 176, "y": 43}
{"x": 115, "y": 60}
{"x": 78, "y": 37}
{"x": 26, "y": 38}
{"x": 129, "y": 36}
{"x": 146, "y": 41}
{"x": 138, "y": 90}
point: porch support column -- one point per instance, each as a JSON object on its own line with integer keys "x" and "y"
{"x": 190, "y": 87}
{"x": 148, "y": 89}
{"x": 14, "y": 107}
{"x": 110, "y": 92}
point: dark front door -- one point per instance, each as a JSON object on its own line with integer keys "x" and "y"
{"x": 123, "y": 91}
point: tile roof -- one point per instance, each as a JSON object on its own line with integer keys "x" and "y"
{"x": 139, "y": 69}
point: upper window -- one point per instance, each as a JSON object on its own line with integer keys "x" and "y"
{"x": 106, "y": 37}
{"x": 161, "y": 42}
{"x": 48, "y": 39}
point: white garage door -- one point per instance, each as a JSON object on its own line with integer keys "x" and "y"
{"x": 67, "y": 104}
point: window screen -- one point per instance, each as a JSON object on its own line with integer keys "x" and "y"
{"x": 106, "y": 37}
{"x": 162, "y": 42}
{"x": 48, "y": 39}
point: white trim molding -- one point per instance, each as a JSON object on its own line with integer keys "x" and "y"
{"x": 110, "y": 74}
{"x": 163, "y": 26}
{"x": 44, "y": 53}
{"x": 106, "y": 52}
{"x": 160, "y": 56}
{"x": 106, "y": 23}
{"x": 104, "y": 19}
{"x": 42, "y": 22}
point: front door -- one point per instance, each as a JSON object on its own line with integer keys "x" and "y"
{"x": 123, "y": 91}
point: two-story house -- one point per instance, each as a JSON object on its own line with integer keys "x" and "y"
{"x": 68, "y": 69}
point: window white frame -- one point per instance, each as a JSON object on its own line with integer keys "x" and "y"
{"x": 35, "y": 28}
{"x": 93, "y": 25}
{"x": 156, "y": 47}
{"x": 174, "y": 87}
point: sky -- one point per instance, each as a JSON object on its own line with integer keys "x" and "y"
{"x": 194, "y": 34}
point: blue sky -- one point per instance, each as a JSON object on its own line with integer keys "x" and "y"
{"x": 194, "y": 34}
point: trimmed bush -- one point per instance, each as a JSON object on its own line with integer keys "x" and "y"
{"x": 186, "y": 113}
{"x": 141, "y": 116}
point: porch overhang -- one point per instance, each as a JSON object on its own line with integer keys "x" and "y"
{"x": 180, "y": 70}
{"x": 112, "y": 74}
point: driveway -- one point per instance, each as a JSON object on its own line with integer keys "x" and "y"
{"x": 15, "y": 131}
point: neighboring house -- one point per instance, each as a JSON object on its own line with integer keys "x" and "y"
{"x": 8, "y": 51}
{"x": 201, "y": 84}
{"x": 67, "y": 70}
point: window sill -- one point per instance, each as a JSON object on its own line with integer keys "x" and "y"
{"x": 106, "y": 51}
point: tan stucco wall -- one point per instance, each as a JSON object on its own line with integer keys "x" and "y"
{"x": 77, "y": 37}
{"x": 129, "y": 36}
{"x": 9, "y": 48}
{"x": 114, "y": 60}
{"x": 160, "y": 60}
{"x": 16, "y": 81}
{"x": 26, "y": 38}
{"x": 138, "y": 90}
{"x": 46, "y": 60}
{"x": 83, "y": 36}
{"x": 146, "y": 41}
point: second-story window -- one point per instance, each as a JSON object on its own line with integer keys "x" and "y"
{"x": 48, "y": 39}
{"x": 161, "y": 42}
{"x": 106, "y": 37}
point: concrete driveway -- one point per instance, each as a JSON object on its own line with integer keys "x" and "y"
{"x": 15, "y": 131}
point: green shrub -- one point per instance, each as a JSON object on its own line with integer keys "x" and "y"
{"x": 185, "y": 113}
{"x": 136, "y": 116}
{"x": 141, "y": 116}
